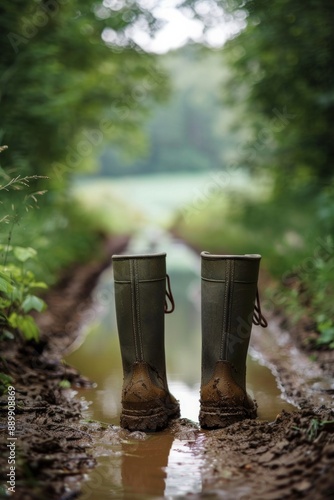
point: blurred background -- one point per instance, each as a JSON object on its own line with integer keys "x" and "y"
{"x": 209, "y": 120}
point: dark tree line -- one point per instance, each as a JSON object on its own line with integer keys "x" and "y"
{"x": 71, "y": 78}
{"x": 283, "y": 61}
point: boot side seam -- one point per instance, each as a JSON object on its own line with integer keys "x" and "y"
{"x": 228, "y": 294}
{"x": 225, "y": 304}
{"x": 134, "y": 310}
{"x": 137, "y": 294}
{"x": 230, "y": 299}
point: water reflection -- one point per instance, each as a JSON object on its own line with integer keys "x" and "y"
{"x": 139, "y": 466}
{"x": 184, "y": 471}
{"x": 144, "y": 465}
{"x": 151, "y": 467}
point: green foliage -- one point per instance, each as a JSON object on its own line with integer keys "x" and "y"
{"x": 71, "y": 79}
{"x": 17, "y": 198}
{"x": 5, "y": 381}
{"x": 30, "y": 231}
{"x": 17, "y": 283}
{"x": 17, "y": 287}
{"x": 65, "y": 384}
{"x": 282, "y": 62}
{"x": 191, "y": 131}
{"x": 306, "y": 290}
{"x": 326, "y": 328}
{"x": 66, "y": 87}
{"x": 315, "y": 427}
{"x": 282, "y": 78}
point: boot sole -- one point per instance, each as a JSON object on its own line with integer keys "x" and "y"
{"x": 151, "y": 420}
{"x": 218, "y": 418}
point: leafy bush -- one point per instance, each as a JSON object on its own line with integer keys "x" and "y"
{"x": 17, "y": 298}
{"x": 307, "y": 292}
{"x": 17, "y": 283}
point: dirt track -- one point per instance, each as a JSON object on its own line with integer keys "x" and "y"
{"x": 292, "y": 457}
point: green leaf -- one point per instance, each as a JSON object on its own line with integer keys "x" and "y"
{"x": 5, "y": 276}
{"x": 3, "y": 318}
{"x": 65, "y": 384}
{"x": 38, "y": 284}
{"x": 5, "y": 302}
{"x": 327, "y": 336}
{"x": 326, "y": 329}
{"x": 7, "y": 248}
{"x": 25, "y": 324}
{"x": 16, "y": 294}
{"x": 5, "y": 380}
{"x": 12, "y": 320}
{"x": 22, "y": 254}
{"x": 5, "y": 285}
{"x": 32, "y": 302}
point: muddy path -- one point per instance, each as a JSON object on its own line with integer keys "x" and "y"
{"x": 289, "y": 457}
{"x": 51, "y": 453}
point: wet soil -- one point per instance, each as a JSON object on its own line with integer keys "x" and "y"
{"x": 51, "y": 450}
{"x": 291, "y": 457}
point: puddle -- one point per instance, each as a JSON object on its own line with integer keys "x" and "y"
{"x": 161, "y": 465}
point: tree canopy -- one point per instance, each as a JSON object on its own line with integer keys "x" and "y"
{"x": 70, "y": 77}
{"x": 282, "y": 62}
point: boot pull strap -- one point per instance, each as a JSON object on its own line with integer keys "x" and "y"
{"x": 258, "y": 318}
{"x": 170, "y": 297}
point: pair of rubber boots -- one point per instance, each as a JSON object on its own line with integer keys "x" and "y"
{"x": 230, "y": 305}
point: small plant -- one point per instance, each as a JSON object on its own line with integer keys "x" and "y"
{"x": 325, "y": 327}
{"x": 308, "y": 291}
{"x": 5, "y": 382}
{"x": 17, "y": 283}
{"x": 17, "y": 298}
{"x": 314, "y": 428}
{"x": 65, "y": 384}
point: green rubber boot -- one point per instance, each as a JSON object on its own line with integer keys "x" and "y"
{"x": 229, "y": 291}
{"x": 140, "y": 296}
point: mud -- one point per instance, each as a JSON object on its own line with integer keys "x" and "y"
{"x": 291, "y": 457}
{"x": 52, "y": 446}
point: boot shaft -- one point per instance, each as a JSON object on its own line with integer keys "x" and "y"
{"x": 140, "y": 287}
{"x": 140, "y": 291}
{"x": 229, "y": 288}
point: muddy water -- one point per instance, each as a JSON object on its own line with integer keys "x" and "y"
{"x": 166, "y": 464}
